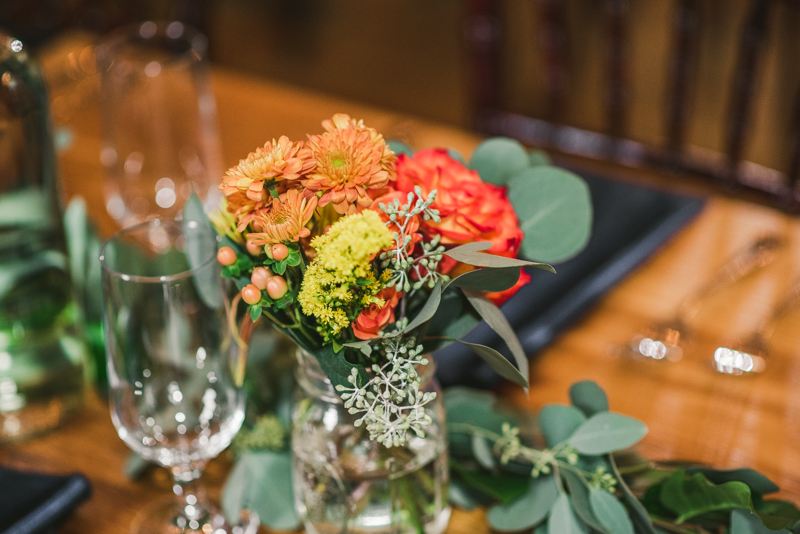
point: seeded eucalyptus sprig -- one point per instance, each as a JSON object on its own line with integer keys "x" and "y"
{"x": 581, "y": 481}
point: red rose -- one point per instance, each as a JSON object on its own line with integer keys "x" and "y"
{"x": 374, "y": 318}
{"x": 470, "y": 209}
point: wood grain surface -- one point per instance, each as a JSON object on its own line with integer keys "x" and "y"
{"x": 693, "y": 412}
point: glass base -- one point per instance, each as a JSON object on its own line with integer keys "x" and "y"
{"x": 165, "y": 516}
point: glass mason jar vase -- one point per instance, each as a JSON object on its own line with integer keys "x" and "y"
{"x": 343, "y": 482}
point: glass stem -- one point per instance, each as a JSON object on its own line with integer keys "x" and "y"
{"x": 190, "y": 495}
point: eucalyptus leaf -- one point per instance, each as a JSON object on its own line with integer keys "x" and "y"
{"x": 262, "y": 482}
{"x": 428, "y": 309}
{"x": 498, "y": 159}
{"x": 744, "y": 522}
{"x": 691, "y": 496}
{"x": 399, "y": 147}
{"x": 471, "y": 254}
{"x": 456, "y": 155}
{"x": 606, "y": 432}
{"x": 483, "y": 452}
{"x": 476, "y": 407}
{"x": 497, "y": 362}
{"x": 641, "y": 519}
{"x": 579, "y": 496}
{"x": 588, "y": 397}
{"x": 498, "y": 322}
{"x": 489, "y": 280}
{"x": 559, "y": 422}
{"x": 29, "y": 207}
{"x": 76, "y": 231}
{"x": 555, "y": 212}
{"x": 562, "y": 518}
{"x": 465, "y": 496}
{"x": 539, "y": 157}
{"x": 610, "y": 512}
{"x": 758, "y": 483}
{"x": 200, "y": 247}
{"x": 527, "y": 511}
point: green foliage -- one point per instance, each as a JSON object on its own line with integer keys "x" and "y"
{"x": 588, "y": 397}
{"x": 487, "y": 279}
{"x": 588, "y": 492}
{"x": 554, "y": 208}
{"x": 528, "y": 510}
{"x": 497, "y": 159}
{"x": 498, "y": 362}
{"x": 262, "y": 482}
{"x": 607, "y": 432}
{"x": 472, "y": 254}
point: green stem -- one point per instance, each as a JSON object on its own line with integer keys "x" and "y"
{"x": 672, "y": 527}
{"x": 408, "y": 503}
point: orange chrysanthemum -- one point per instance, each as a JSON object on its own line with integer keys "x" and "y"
{"x": 285, "y": 220}
{"x": 350, "y": 161}
{"x": 341, "y": 121}
{"x": 278, "y": 163}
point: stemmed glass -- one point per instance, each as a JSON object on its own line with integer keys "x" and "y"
{"x": 173, "y": 396}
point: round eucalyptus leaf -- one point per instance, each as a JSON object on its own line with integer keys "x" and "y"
{"x": 498, "y": 159}
{"x": 399, "y": 147}
{"x": 558, "y": 422}
{"x": 588, "y": 397}
{"x": 483, "y": 452}
{"x": 610, "y": 512}
{"x": 607, "y": 432}
{"x": 562, "y": 518}
{"x": 456, "y": 155}
{"x": 554, "y": 208}
{"x": 526, "y": 511}
{"x": 539, "y": 157}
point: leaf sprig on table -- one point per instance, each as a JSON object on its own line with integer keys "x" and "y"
{"x": 584, "y": 481}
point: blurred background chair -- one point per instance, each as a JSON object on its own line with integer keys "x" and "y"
{"x": 706, "y": 88}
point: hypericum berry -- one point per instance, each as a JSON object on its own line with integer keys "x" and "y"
{"x": 280, "y": 251}
{"x": 251, "y": 294}
{"x": 226, "y": 256}
{"x": 260, "y": 277}
{"x": 276, "y": 287}
{"x": 252, "y": 248}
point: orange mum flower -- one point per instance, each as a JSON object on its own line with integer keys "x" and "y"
{"x": 285, "y": 220}
{"x": 341, "y": 121}
{"x": 351, "y": 159}
{"x": 278, "y": 162}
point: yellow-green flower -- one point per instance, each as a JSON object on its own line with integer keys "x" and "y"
{"x": 341, "y": 281}
{"x": 224, "y": 222}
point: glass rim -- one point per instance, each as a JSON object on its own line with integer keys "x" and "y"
{"x": 149, "y": 279}
{"x": 144, "y": 33}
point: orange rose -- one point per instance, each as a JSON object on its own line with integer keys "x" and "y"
{"x": 374, "y": 318}
{"x": 470, "y": 209}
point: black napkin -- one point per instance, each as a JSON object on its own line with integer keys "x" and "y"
{"x": 34, "y": 503}
{"x": 630, "y": 223}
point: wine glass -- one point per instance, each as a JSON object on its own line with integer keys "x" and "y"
{"x": 173, "y": 396}
{"x": 160, "y": 137}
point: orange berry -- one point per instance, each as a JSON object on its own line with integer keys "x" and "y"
{"x": 276, "y": 287}
{"x": 226, "y": 256}
{"x": 260, "y": 277}
{"x": 252, "y": 248}
{"x": 251, "y": 294}
{"x": 280, "y": 251}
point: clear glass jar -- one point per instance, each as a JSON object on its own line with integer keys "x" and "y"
{"x": 343, "y": 482}
{"x": 42, "y": 352}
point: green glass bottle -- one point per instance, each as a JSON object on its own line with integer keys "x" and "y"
{"x": 42, "y": 352}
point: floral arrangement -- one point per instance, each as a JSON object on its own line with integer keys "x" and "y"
{"x": 370, "y": 256}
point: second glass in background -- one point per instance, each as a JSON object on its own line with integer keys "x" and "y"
{"x": 159, "y": 121}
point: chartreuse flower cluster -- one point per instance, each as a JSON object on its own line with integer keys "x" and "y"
{"x": 341, "y": 277}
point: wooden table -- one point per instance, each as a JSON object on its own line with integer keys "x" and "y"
{"x": 693, "y": 413}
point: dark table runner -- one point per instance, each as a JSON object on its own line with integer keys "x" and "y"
{"x": 630, "y": 223}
